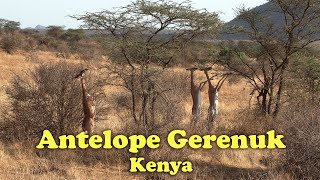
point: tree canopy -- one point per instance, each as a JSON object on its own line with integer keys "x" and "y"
{"x": 9, "y": 26}
{"x": 277, "y": 33}
{"x": 149, "y": 32}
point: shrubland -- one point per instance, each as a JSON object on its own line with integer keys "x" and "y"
{"x": 141, "y": 87}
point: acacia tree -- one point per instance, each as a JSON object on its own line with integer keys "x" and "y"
{"x": 304, "y": 74}
{"x": 277, "y": 33}
{"x": 55, "y": 31}
{"x": 143, "y": 39}
{"x": 9, "y": 26}
{"x": 9, "y": 40}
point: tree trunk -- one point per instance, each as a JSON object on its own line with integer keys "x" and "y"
{"x": 133, "y": 98}
{"x": 263, "y": 106}
{"x": 270, "y": 100}
{"x": 280, "y": 90}
{"x": 264, "y": 102}
{"x": 271, "y": 94}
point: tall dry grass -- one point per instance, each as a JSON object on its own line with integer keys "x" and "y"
{"x": 20, "y": 159}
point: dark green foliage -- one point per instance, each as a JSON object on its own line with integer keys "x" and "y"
{"x": 10, "y": 43}
{"x": 8, "y": 26}
{"x": 73, "y": 35}
{"x": 151, "y": 31}
{"x": 304, "y": 76}
{"x": 55, "y": 31}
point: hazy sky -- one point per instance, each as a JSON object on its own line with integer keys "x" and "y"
{"x": 55, "y": 12}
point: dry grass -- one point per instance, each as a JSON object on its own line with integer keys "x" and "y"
{"x": 19, "y": 164}
{"x": 23, "y": 161}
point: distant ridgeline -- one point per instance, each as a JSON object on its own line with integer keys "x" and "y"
{"x": 269, "y": 10}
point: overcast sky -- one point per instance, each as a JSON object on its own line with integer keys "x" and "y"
{"x": 31, "y": 13}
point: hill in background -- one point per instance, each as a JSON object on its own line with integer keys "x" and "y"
{"x": 268, "y": 9}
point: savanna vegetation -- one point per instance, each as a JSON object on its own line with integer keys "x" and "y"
{"x": 137, "y": 57}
